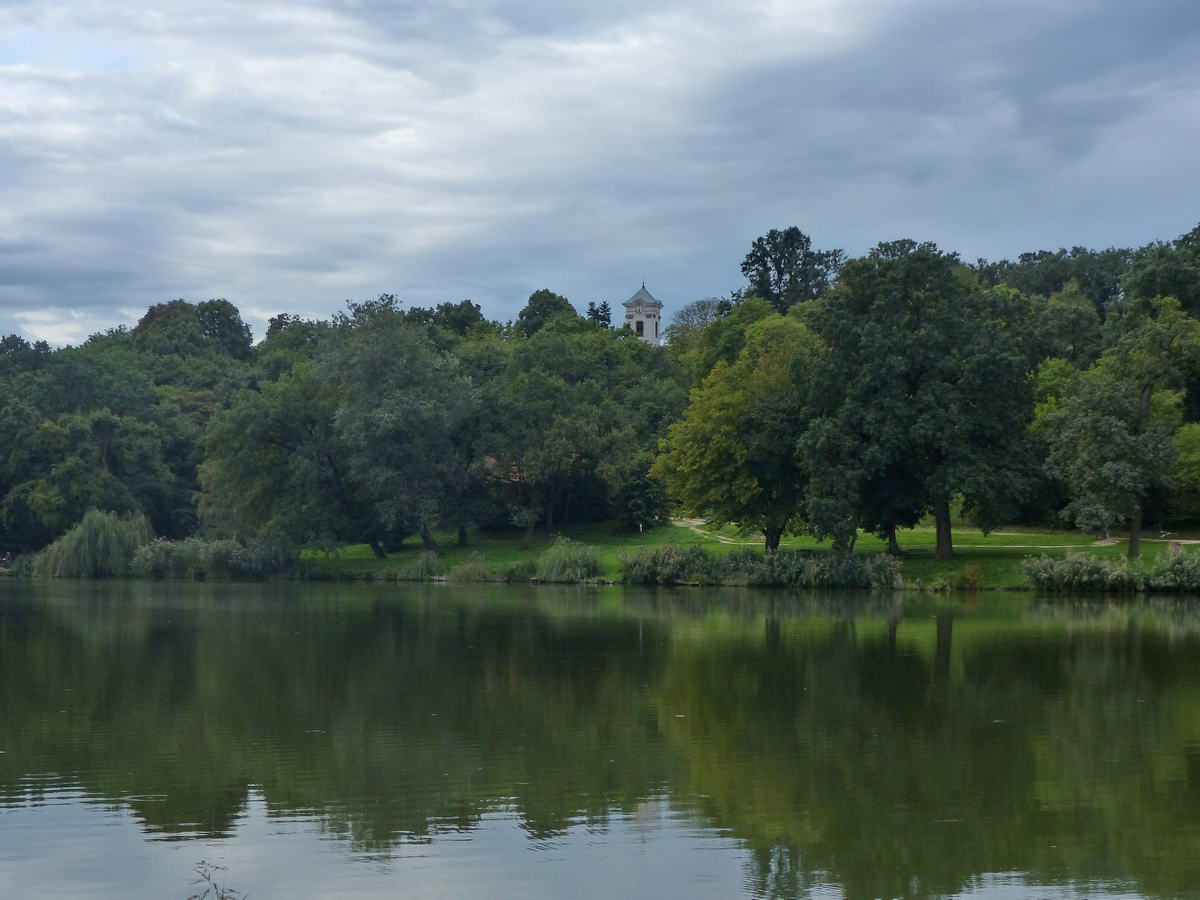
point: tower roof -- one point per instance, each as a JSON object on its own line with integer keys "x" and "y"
{"x": 642, "y": 296}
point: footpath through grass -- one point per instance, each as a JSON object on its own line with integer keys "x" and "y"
{"x": 992, "y": 561}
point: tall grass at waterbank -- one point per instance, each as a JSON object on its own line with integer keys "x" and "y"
{"x": 473, "y": 571}
{"x": 101, "y": 545}
{"x": 568, "y": 562}
{"x": 193, "y": 558}
{"x": 1172, "y": 572}
{"x": 785, "y": 568}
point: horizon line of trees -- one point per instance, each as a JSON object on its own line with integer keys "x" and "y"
{"x": 829, "y": 395}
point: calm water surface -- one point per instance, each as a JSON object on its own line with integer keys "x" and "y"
{"x": 436, "y": 741}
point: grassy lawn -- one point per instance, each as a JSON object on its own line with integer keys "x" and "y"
{"x": 504, "y": 550}
{"x": 997, "y": 555}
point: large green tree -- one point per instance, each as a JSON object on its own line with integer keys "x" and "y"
{"x": 275, "y": 465}
{"x": 783, "y": 268}
{"x": 731, "y": 457}
{"x": 568, "y": 418}
{"x": 356, "y": 439}
{"x": 402, "y": 409}
{"x": 542, "y": 307}
{"x": 86, "y": 427}
{"x": 1110, "y": 429}
{"x": 922, "y": 395}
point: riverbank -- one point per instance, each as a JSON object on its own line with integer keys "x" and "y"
{"x": 992, "y": 561}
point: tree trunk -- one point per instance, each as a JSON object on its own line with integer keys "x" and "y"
{"x": 550, "y": 511}
{"x": 773, "y": 535}
{"x": 1135, "y": 532}
{"x": 462, "y": 535}
{"x": 527, "y": 537}
{"x": 428, "y": 540}
{"x": 377, "y": 549}
{"x": 893, "y": 544}
{"x": 945, "y": 542}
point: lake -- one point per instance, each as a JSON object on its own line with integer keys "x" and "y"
{"x": 437, "y": 741}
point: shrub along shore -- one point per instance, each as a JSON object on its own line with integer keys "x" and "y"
{"x": 105, "y": 545}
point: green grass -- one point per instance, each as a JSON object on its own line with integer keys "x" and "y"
{"x": 1001, "y": 562}
{"x": 504, "y": 550}
{"x": 998, "y": 554}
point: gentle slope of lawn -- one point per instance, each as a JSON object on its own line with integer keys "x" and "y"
{"x": 997, "y": 555}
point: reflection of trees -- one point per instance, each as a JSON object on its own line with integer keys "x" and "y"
{"x": 893, "y": 756}
{"x": 1058, "y": 753}
{"x": 389, "y": 720}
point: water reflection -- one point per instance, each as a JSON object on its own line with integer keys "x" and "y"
{"x": 885, "y": 746}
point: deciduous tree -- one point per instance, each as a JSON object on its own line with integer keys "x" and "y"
{"x": 783, "y": 269}
{"x": 1110, "y": 430}
{"x": 731, "y": 458}
{"x": 922, "y": 395}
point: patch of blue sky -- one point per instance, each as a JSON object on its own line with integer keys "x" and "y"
{"x": 63, "y": 50}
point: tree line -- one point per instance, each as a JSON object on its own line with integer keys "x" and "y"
{"x": 838, "y": 396}
{"x": 828, "y": 395}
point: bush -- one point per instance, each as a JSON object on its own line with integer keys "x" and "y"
{"x": 1079, "y": 572}
{"x": 101, "y": 545}
{"x": 568, "y": 562}
{"x": 193, "y": 558}
{"x": 688, "y": 565}
{"x": 968, "y": 578}
{"x": 473, "y": 571}
{"x": 828, "y": 570}
{"x": 427, "y": 566}
{"x": 667, "y": 564}
{"x": 518, "y": 573}
{"x": 1173, "y": 572}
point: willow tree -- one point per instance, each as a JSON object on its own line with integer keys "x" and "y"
{"x": 100, "y": 545}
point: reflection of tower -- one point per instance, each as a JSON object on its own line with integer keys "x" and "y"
{"x": 643, "y": 314}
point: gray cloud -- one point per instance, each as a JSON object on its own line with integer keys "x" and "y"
{"x": 290, "y": 156}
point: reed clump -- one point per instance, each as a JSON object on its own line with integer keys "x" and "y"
{"x": 746, "y": 567}
{"x": 1173, "y": 572}
{"x": 568, "y": 562}
{"x": 427, "y": 567}
{"x": 473, "y": 571}
{"x": 667, "y": 564}
{"x": 519, "y": 572}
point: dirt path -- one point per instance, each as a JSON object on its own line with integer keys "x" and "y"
{"x": 694, "y": 525}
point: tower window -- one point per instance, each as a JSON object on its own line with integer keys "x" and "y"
{"x": 641, "y": 327}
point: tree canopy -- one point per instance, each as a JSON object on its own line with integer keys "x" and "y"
{"x": 829, "y": 395}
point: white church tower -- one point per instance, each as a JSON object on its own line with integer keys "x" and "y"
{"x": 644, "y": 315}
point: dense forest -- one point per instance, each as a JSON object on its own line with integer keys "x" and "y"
{"x": 828, "y": 395}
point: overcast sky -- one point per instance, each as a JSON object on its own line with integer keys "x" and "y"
{"x": 291, "y": 156}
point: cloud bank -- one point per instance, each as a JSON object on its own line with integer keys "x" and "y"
{"x": 290, "y": 156}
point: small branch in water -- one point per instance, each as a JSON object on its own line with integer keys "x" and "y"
{"x": 213, "y": 890}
